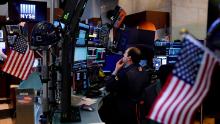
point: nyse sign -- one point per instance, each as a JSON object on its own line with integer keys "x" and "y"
{"x": 27, "y": 11}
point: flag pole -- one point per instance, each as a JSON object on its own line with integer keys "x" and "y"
{"x": 201, "y": 114}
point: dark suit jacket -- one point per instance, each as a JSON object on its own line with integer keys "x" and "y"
{"x": 126, "y": 92}
{"x": 149, "y": 96}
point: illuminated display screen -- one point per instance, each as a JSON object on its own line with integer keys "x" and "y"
{"x": 2, "y": 45}
{"x": 174, "y": 51}
{"x": 80, "y": 53}
{"x": 56, "y": 24}
{"x": 96, "y": 55}
{"x": 1, "y": 35}
{"x": 80, "y": 40}
{"x": 27, "y": 11}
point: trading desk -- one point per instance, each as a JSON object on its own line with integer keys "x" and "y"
{"x": 87, "y": 117}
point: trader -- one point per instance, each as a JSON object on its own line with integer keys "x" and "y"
{"x": 125, "y": 86}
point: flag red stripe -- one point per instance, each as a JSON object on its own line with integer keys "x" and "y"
{"x": 169, "y": 100}
{"x": 177, "y": 102}
{"x": 192, "y": 92}
{"x": 25, "y": 65}
{"x": 209, "y": 80}
{"x": 153, "y": 111}
{"x": 21, "y": 67}
{"x": 209, "y": 83}
{"x": 5, "y": 66}
{"x": 180, "y": 95}
{"x": 173, "y": 88}
{"x": 7, "y": 59}
{"x": 13, "y": 62}
{"x": 204, "y": 94}
{"x": 30, "y": 64}
{"x": 197, "y": 94}
{"x": 158, "y": 111}
{"x": 27, "y": 57}
{"x": 196, "y": 100}
{"x": 9, "y": 62}
{"x": 19, "y": 58}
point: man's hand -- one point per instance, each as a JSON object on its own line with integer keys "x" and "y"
{"x": 118, "y": 66}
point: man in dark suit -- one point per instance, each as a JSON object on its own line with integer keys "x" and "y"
{"x": 125, "y": 85}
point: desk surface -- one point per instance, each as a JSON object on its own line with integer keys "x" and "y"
{"x": 86, "y": 116}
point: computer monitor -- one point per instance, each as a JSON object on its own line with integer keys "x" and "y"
{"x": 56, "y": 23}
{"x": 100, "y": 55}
{"x": 174, "y": 51}
{"x": 163, "y": 59}
{"x": 94, "y": 35}
{"x": 143, "y": 63}
{"x": 80, "y": 58}
{"x": 111, "y": 61}
{"x": 1, "y": 35}
{"x": 172, "y": 59}
{"x": 35, "y": 11}
{"x": 80, "y": 54}
{"x": 158, "y": 61}
{"x": 92, "y": 52}
{"x": 13, "y": 29}
{"x": 37, "y": 62}
{"x": 82, "y": 35}
{"x": 96, "y": 55}
{"x": 91, "y": 56}
{"x": 2, "y": 45}
{"x": 81, "y": 39}
{"x": 2, "y": 48}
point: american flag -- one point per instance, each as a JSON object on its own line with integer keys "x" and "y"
{"x": 20, "y": 60}
{"x": 188, "y": 84}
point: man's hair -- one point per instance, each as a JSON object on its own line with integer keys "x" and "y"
{"x": 135, "y": 54}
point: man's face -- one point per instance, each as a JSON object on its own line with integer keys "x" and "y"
{"x": 125, "y": 58}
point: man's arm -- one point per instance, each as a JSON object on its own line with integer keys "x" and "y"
{"x": 111, "y": 82}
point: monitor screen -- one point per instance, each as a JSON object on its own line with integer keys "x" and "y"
{"x": 143, "y": 63}
{"x": 36, "y": 63}
{"x": 1, "y": 35}
{"x": 13, "y": 29}
{"x": 174, "y": 51}
{"x": 172, "y": 59}
{"x": 82, "y": 36}
{"x": 27, "y": 11}
{"x": 92, "y": 52}
{"x": 158, "y": 61}
{"x": 111, "y": 61}
{"x": 96, "y": 55}
{"x": 100, "y": 55}
{"x": 163, "y": 59}
{"x": 2, "y": 49}
{"x": 80, "y": 54}
{"x": 56, "y": 24}
{"x": 94, "y": 35}
{"x": 2, "y": 45}
{"x": 81, "y": 39}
